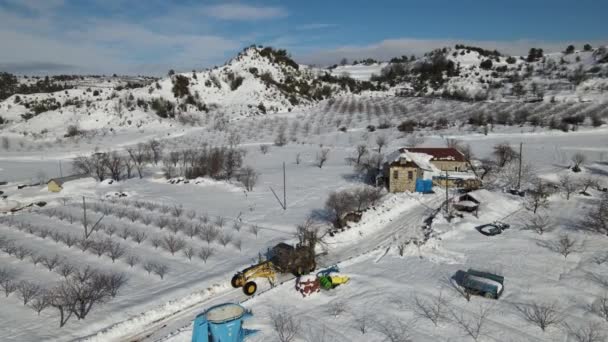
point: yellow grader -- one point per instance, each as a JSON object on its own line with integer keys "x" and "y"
{"x": 283, "y": 258}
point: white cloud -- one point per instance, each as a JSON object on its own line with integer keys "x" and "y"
{"x": 106, "y": 46}
{"x": 386, "y": 49}
{"x": 244, "y": 12}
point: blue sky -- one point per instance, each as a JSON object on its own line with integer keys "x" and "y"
{"x": 151, "y": 36}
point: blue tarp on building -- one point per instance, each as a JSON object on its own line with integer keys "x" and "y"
{"x": 424, "y": 185}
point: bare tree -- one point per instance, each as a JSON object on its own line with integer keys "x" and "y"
{"x": 336, "y": 308}
{"x": 175, "y": 225}
{"x": 248, "y": 177}
{"x": 205, "y": 253}
{"x": 338, "y": 204}
{"x": 27, "y": 290}
{"x": 139, "y": 156}
{"x": 8, "y": 286}
{"x": 177, "y": 210}
{"x": 285, "y": 325}
{"x": 568, "y": 185}
{"x": 321, "y": 157}
{"x": 600, "y": 307}
{"x": 219, "y": 221}
{"x": 596, "y": 219}
{"x": 264, "y": 148}
{"x": 191, "y": 214}
{"x": 540, "y": 224}
{"x": 115, "y": 164}
{"x": 362, "y": 321}
{"x": 281, "y": 138}
{"x": 66, "y": 269}
{"x": 115, "y": 251}
{"x": 360, "y": 151}
{"x": 578, "y": 159}
{"x": 394, "y": 330}
{"x": 254, "y": 229}
{"x": 70, "y": 240}
{"x": 473, "y": 326}
{"x": 52, "y": 262}
{"x": 504, "y": 154}
{"x": 162, "y": 222}
{"x": 40, "y": 302}
{"x": 132, "y": 260}
{"x": 189, "y": 252}
{"x": 84, "y": 244}
{"x": 62, "y": 298}
{"x": 225, "y": 239}
{"x": 155, "y": 149}
{"x": 149, "y": 266}
{"x": 537, "y": 197}
{"x": 161, "y": 270}
{"x": 173, "y": 244}
{"x": 366, "y": 196}
{"x": 124, "y": 233}
{"x": 22, "y": 252}
{"x": 100, "y": 247}
{"x": 433, "y": 309}
{"x": 36, "y": 259}
{"x": 381, "y": 141}
{"x": 138, "y": 237}
{"x": 209, "y": 233}
{"x": 591, "y": 332}
{"x": 192, "y": 229}
{"x": 589, "y": 182}
{"x": 540, "y": 314}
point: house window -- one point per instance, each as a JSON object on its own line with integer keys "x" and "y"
{"x": 395, "y": 174}
{"x": 410, "y": 175}
{"x": 456, "y": 168}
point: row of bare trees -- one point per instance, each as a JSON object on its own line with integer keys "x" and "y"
{"x": 80, "y": 291}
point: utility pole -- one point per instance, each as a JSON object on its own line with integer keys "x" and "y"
{"x": 284, "y": 189}
{"x": 84, "y": 206}
{"x": 520, "y": 158}
{"x": 447, "y": 195}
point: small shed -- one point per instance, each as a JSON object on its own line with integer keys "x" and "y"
{"x": 470, "y": 202}
{"x": 56, "y": 184}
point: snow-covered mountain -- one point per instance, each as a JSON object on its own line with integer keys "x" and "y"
{"x": 265, "y": 80}
{"x": 257, "y": 81}
{"x": 473, "y": 73}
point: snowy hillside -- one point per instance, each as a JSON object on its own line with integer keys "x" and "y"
{"x": 256, "y": 81}
{"x": 473, "y": 73}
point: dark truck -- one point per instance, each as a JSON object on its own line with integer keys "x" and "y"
{"x": 480, "y": 283}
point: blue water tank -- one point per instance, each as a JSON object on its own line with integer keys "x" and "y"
{"x": 221, "y": 323}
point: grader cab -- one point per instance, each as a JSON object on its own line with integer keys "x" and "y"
{"x": 283, "y": 258}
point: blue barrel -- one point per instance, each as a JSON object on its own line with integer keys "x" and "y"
{"x": 221, "y": 323}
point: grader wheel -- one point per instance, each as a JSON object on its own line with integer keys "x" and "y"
{"x": 236, "y": 281}
{"x": 250, "y": 288}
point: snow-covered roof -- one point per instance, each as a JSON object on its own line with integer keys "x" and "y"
{"x": 420, "y": 160}
{"x": 62, "y": 180}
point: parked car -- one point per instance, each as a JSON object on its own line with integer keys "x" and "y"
{"x": 489, "y": 229}
{"x": 480, "y": 283}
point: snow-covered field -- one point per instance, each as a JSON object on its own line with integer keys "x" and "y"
{"x": 383, "y": 282}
